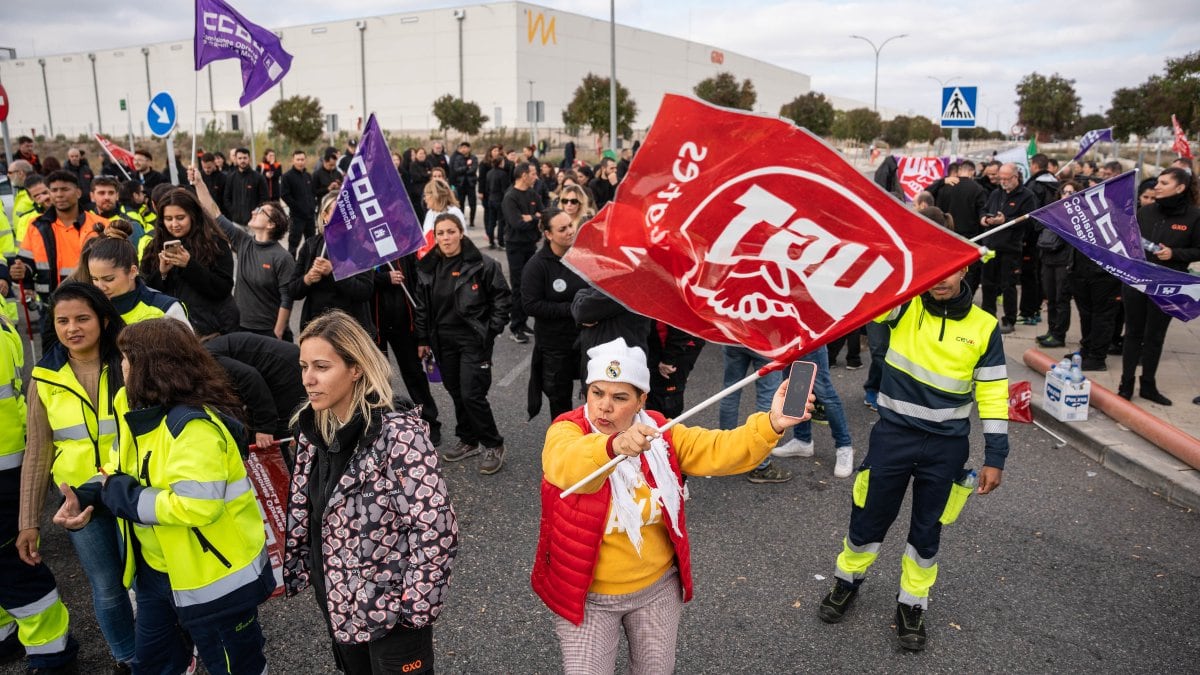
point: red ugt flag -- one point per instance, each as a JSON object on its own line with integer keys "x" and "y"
{"x": 1181, "y": 145}
{"x": 115, "y": 151}
{"x": 781, "y": 246}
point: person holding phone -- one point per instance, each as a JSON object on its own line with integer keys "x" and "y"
{"x": 945, "y": 355}
{"x": 190, "y": 258}
{"x": 616, "y": 554}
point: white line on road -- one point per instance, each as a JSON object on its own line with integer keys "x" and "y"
{"x": 516, "y": 372}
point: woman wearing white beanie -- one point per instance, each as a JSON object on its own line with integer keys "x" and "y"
{"x": 616, "y": 552}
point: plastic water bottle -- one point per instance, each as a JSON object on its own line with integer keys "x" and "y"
{"x": 1076, "y": 369}
{"x": 1063, "y": 368}
{"x": 1150, "y": 246}
{"x": 970, "y": 479}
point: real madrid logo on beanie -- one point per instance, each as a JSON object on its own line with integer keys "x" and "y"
{"x": 616, "y": 361}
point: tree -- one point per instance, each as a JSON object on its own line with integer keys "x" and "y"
{"x": 924, "y": 130}
{"x": 1131, "y": 113}
{"x": 812, "y": 111}
{"x": 1048, "y": 104}
{"x": 1089, "y": 122}
{"x": 298, "y": 118}
{"x": 723, "y": 89}
{"x": 1181, "y": 89}
{"x": 860, "y": 124}
{"x": 589, "y": 107}
{"x": 896, "y": 132}
{"x": 455, "y": 113}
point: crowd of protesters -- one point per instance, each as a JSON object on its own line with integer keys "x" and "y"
{"x": 164, "y": 327}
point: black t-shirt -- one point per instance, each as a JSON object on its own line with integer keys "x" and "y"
{"x": 444, "y": 279}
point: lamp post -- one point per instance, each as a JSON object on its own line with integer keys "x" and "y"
{"x": 612, "y": 83}
{"x": 146, "y": 56}
{"x": 46, "y": 89}
{"x": 877, "y": 50}
{"x": 96, "y": 88}
{"x": 460, "y": 15}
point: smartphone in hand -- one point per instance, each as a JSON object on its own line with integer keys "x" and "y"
{"x": 800, "y": 385}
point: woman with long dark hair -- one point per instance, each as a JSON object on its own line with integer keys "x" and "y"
{"x": 190, "y": 258}
{"x": 367, "y": 494}
{"x": 1171, "y": 235}
{"x": 70, "y": 428}
{"x": 194, "y": 537}
{"x": 109, "y": 262}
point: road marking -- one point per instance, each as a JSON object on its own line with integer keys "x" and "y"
{"x": 516, "y": 372}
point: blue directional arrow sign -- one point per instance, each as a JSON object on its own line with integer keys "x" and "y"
{"x": 958, "y": 107}
{"x": 160, "y": 116}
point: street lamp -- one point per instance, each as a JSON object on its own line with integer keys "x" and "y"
{"x": 146, "y": 56}
{"x": 877, "y": 50}
{"x": 96, "y": 87}
{"x": 46, "y": 88}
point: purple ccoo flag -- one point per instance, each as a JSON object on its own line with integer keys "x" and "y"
{"x": 1091, "y": 138}
{"x": 1100, "y": 222}
{"x": 374, "y": 222}
{"x": 222, "y": 33}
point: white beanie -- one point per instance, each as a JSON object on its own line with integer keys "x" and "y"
{"x": 616, "y": 361}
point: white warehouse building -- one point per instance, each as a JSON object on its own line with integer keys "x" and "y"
{"x": 499, "y": 55}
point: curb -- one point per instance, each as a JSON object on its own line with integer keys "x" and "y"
{"x": 1116, "y": 448}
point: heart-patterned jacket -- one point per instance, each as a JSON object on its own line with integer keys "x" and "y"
{"x": 388, "y": 536}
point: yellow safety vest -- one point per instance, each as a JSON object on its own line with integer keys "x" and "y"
{"x": 83, "y": 434}
{"x": 12, "y": 400}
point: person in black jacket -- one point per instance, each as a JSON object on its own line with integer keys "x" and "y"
{"x": 965, "y": 200}
{"x": 214, "y": 180}
{"x": 1171, "y": 226}
{"x": 1055, "y": 259}
{"x": 547, "y": 289}
{"x": 271, "y": 173}
{"x": 395, "y": 316}
{"x": 604, "y": 185}
{"x": 297, "y": 189}
{"x": 1044, "y": 185}
{"x": 326, "y": 178}
{"x": 418, "y": 176}
{"x": 462, "y": 305}
{"x": 1000, "y": 274}
{"x": 190, "y": 258}
{"x": 522, "y": 209}
{"x": 313, "y": 282}
{"x": 496, "y": 185}
{"x": 245, "y": 189}
{"x": 464, "y": 176}
{"x": 672, "y": 356}
{"x": 266, "y": 374}
{"x": 602, "y": 319}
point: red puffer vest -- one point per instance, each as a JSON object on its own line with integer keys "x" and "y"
{"x": 571, "y": 532}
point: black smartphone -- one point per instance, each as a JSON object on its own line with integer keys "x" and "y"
{"x": 800, "y": 386}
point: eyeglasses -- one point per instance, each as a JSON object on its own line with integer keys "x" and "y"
{"x": 568, "y": 201}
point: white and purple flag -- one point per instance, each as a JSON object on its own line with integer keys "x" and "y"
{"x": 1101, "y": 223}
{"x": 223, "y": 33}
{"x": 1091, "y": 138}
{"x": 373, "y": 222}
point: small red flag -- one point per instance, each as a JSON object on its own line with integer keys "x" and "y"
{"x": 115, "y": 151}
{"x": 1181, "y": 146}
{"x": 780, "y": 246}
{"x": 1020, "y": 398}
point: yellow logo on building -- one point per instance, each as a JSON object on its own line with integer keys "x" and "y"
{"x": 539, "y": 25}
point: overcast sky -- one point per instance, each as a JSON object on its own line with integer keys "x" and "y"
{"x": 1101, "y": 44}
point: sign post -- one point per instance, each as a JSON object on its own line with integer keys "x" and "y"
{"x": 4, "y": 125}
{"x": 958, "y": 112}
{"x": 161, "y": 118}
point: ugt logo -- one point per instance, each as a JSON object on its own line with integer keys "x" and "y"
{"x": 772, "y": 244}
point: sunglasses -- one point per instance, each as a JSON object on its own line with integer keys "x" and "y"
{"x": 568, "y": 201}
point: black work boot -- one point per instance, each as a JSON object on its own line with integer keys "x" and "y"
{"x": 833, "y": 606}
{"x": 1149, "y": 391}
{"x": 910, "y": 626}
{"x": 1125, "y": 388}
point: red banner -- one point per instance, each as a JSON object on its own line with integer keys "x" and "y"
{"x": 917, "y": 173}
{"x": 1181, "y": 145}
{"x": 1020, "y": 399}
{"x": 271, "y": 480}
{"x": 115, "y": 151}
{"x": 781, "y": 246}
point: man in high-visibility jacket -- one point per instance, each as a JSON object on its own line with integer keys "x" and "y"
{"x": 32, "y": 616}
{"x": 944, "y": 351}
{"x": 37, "y": 200}
{"x": 55, "y": 240}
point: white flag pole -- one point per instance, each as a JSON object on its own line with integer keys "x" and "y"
{"x": 661, "y": 430}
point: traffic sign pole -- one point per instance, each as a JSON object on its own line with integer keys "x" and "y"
{"x": 171, "y": 160}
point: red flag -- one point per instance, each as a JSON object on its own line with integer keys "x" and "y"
{"x": 917, "y": 173}
{"x": 426, "y": 245}
{"x": 1020, "y": 398}
{"x": 1181, "y": 145}
{"x": 781, "y": 246}
{"x": 115, "y": 151}
{"x": 271, "y": 481}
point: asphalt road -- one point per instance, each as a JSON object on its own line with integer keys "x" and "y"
{"x": 1066, "y": 568}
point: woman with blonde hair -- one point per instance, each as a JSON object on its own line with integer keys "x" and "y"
{"x": 439, "y": 199}
{"x": 371, "y": 475}
{"x": 575, "y": 202}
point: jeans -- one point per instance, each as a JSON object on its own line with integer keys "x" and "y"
{"x": 738, "y": 362}
{"x": 227, "y": 644}
{"x": 828, "y": 396}
{"x": 99, "y": 548}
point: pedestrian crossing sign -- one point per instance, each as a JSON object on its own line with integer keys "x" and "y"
{"x": 958, "y": 107}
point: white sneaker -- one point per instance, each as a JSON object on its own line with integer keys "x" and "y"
{"x": 794, "y": 448}
{"x": 845, "y": 462}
